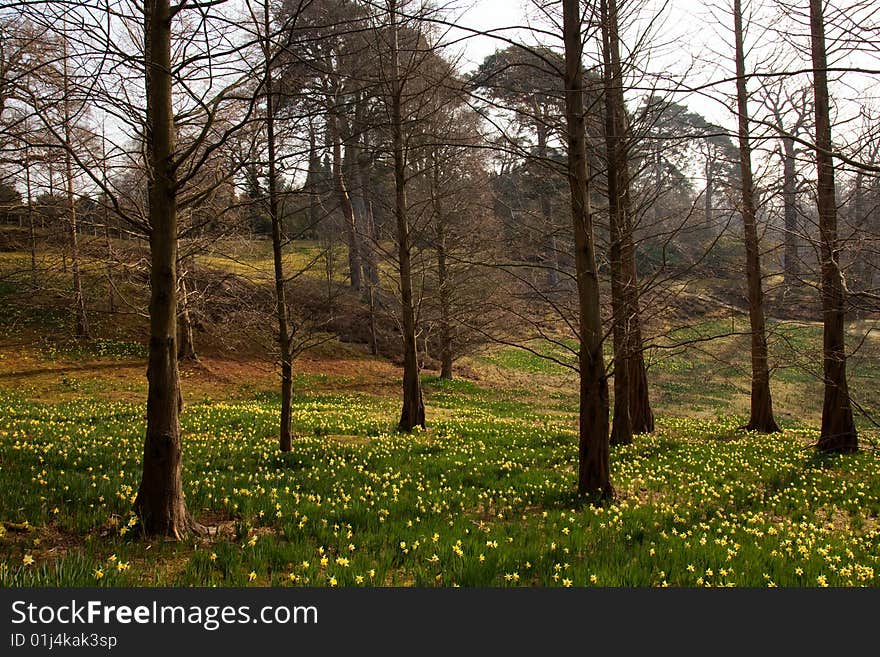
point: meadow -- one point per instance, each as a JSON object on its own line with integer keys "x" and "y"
{"x": 484, "y": 497}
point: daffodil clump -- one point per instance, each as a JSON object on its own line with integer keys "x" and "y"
{"x": 483, "y": 498}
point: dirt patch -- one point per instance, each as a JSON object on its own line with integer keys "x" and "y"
{"x": 44, "y": 543}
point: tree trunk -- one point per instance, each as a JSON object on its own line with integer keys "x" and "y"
{"x": 862, "y": 262}
{"x": 621, "y": 428}
{"x": 791, "y": 263}
{"x": 186, "y": 349}
{"x": 111, "y": 295}
{"x": 64, "y": 234}
{"x": 369, "y": 239}
{"x": 593, "y": 449}
{"x": 284, "y": 337}
{"x": 761, "y": 415}
{"x": 371, "y": 300}
{"x": 446, "y": 350}
{"x": 348, "y": 217}
{"x": 641, "y": 417}
{"x": 838, "y": 428}
{"x": 443, "y": 282}
{"x": 862, "y": 278}
{"x": 30, "y": 214}
{"x": 314, "y": 184}
{"x": 361, "y": 166}
{"x": 160, "y": 501}
{"x": 79, "y": 307}
{"x": 413, "y": 412}
{"x": 108, "y": 268}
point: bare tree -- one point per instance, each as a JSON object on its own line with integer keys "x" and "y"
{"x": 413, "y": 412}
{"x": 619, "y": 238}
{"x": 838, "y": 428}
{"x": 761, "y": 414}
{"x": 593, "y": 442}
{"x": 160, "y": 501}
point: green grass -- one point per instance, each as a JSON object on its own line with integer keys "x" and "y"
{"x": 482, "y": 499}
{"x": 485, "y": 497}
{"x": 542, "y": 357}
{"x": 89, "y": 349}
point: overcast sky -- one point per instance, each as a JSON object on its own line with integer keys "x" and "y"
{"x": 680, "y": 23}
{"x": 689, "y": 36}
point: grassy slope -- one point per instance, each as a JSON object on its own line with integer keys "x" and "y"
{"x": 483, "y": 498}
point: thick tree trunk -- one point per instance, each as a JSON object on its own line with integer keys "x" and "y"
{"x": 160, "y": 500}
{"x": 635, "y": 383}
{"x": 791, "y": 262}
{"x": 284, "y": 337}
{"x": 838, "y": 428}
{"x": 413, "y": 412}
{"x": 621, "y": 428}
{"x": 641, "y": 416}
{"x": 593, "y": 448}
{"x": 761, "y": 415}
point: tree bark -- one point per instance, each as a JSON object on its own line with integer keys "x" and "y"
{"x": 413, "y": 412}
{"x": 446, "y": 348}
{"x": 641, "y": 417}
{"x": 621, "y": 427}
{"x": 761, "y": 414}
{"x": 160, "y": 500}
{"x": 186, "y": 348}
{"x": 284, "y": 337}
{"x": 838, "y": 428}
{"x": 593, "y": 448}
{"x": 443, "y": 282}
{"x": 371, "y": 268}
{"x": 355, "y": 168}
{"x": 348, "y": 217}
{"x": 369, "y": 241}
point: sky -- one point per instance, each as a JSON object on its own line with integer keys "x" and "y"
{"x": 678, "y": 27}
{"x": 688, "y": 36}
